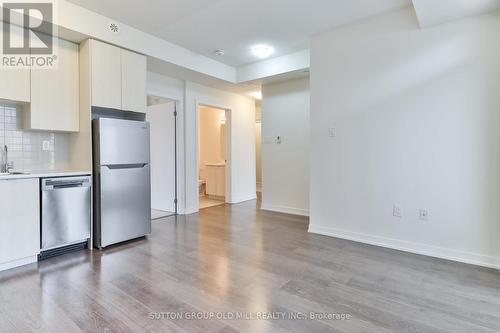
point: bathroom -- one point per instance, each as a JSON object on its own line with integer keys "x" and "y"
{"x": 212, "y": 156}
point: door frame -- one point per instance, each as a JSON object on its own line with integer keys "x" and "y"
{"x": 228, "y": 173}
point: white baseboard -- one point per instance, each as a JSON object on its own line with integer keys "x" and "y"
{"x": 189, "y": 211}
{"x": 18, "y": 262}
{"x": 286, "y": 210}
{"x": 242, "y": 198}
{"x": 417, "y": 248}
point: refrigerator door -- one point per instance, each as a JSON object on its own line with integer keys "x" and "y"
{"x": 125, "y": 207}
{"x": 123, "y": 142}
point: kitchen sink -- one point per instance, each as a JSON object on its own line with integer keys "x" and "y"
{"x": 13, "y": 173}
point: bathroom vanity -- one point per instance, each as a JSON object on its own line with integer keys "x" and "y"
{"x": 216, "y": 180}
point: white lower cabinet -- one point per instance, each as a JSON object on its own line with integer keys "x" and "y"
{"x": 19, "y": 222}
{"x": 216, "y": 180}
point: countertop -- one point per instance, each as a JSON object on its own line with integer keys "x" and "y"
{"x": 47, "y": 174}
{"x": 215, "y": 164}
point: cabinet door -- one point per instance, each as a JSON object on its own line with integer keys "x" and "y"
{"x": 106, "y": 75}
{"x": 15, "y": 83}
{"x": 20, "y": 222}
{"x": 55, "y": 93}
{"x": 220, "y": 181}
{"x": 133, "y": 81}
{"x": 210, "y": 181}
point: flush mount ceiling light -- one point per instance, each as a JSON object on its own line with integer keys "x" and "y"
{"x": 262, "y": 51}
{"x": 219, "y": 52}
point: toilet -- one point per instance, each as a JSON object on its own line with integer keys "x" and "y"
{"x": 202, "y": 187}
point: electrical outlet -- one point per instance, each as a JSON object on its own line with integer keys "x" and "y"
{"x": 397, "y": 211}
{"x": 45, "y": 145}
{"x": 424, "y": 215}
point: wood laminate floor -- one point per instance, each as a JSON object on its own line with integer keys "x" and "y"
{"x": 206, "y": 202}
{"x": 236, "y": 260}
{"x": 158, "y": 214}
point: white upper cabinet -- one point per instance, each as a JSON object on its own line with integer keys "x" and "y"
{"x": 55, "y": 93}
{"x": 133, "y": 81}
{"x": 15, "y": 83}
{"x": 118, "y": 78}
{"x": 106, "y": 75}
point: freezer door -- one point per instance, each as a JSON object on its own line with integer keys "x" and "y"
{"x": 125, "y": 207}
{"x": 123, "y": 142}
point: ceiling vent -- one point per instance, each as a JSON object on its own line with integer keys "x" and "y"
{"x": 114, "y": 28}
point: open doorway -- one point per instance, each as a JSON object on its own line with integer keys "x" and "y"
{"x": 213, "y": 145}
{"x": 161, "y": 114}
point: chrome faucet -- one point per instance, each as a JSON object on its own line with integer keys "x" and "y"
{"x": 5, "y": 166}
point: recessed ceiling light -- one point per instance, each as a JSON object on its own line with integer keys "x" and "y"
{"x": 262, "y": 51}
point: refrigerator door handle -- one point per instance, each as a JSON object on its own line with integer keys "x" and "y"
{"x": 126, "y": 166}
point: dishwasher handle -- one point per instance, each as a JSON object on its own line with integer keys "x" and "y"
{"x": 65, "y": 183}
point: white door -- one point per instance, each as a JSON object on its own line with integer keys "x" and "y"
{"x": 162, "y": 124}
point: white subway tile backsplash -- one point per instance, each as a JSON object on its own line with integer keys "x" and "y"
{"x": 25, "y": 147}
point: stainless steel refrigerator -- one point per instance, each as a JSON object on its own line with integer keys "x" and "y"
{"x": 122, "y": 189}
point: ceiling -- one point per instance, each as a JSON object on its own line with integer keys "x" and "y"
{"x": 431, "y": 13}
{"x": 203, "y": 26}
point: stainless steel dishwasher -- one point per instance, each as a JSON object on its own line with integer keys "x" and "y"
{"x": 65, "y": 224}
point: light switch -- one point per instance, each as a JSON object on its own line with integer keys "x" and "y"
{"x": 397, "y": 211}
{"x": 332, "y": 132}
{"x": 45, "y": 145}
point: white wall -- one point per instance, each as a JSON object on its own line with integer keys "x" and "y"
{"x": 285, "y": 166}
{"x": 242, "y": 150}
{"x": 161, "y": 119}
{"x": 242, "y": 142}
{"x": 173, "y": 89}
{"x": 418, "y": 124}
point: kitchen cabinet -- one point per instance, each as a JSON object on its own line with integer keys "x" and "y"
{"x": 216, "y": 180}
{"x": 55, "y": 93}
{"x": 15, "y": 83}
{"x": 118, "y": 78}
{"x": 133, "y": 81}
{"x": 110, "y": 77}
{"x": 20, "y": 222}
{"x": 106, "y": 75}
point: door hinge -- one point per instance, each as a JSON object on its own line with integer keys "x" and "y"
{"x": 175, "y": 201}
{"x": 175, "y": 113}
